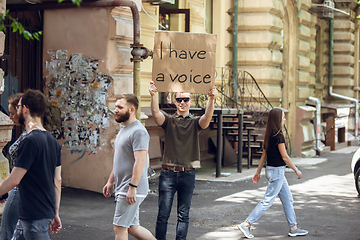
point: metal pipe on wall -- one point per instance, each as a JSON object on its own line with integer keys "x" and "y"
{"x": 136, "y": 85}
{"x": 331, "y": 56}
{"x": 317, "y": 122}
{"x": 235, "y": 52}
{"x": 235, "y": 80}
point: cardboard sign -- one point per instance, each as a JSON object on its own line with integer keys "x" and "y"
{"x": 184, "y": 62}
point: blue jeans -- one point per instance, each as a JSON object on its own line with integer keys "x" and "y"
{"x": 10, "y": 214}
{"x": 277, "y": 186}
{"x": 32, "y": 230}
{"x": 170, "y": 182}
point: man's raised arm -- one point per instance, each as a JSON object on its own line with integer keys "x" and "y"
{"x": 155, "y": 111}
{"x": 205, "y": 119}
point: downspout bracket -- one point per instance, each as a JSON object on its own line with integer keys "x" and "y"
{"x": 140, "y": 52}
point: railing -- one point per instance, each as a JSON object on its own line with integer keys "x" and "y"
{"x": 248, "y": 97}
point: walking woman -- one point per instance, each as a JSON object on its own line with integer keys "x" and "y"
{"x": 10, "y": 214}
{"x": 277, "y": 159}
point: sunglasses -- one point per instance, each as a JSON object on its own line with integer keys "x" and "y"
{"x": 179, "y": 100}
{"x": 17, "y": 106}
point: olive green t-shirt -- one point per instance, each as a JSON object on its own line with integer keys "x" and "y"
{"x": 182, "y": 148}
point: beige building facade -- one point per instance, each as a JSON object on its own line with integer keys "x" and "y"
{"x": 284, "y": 44}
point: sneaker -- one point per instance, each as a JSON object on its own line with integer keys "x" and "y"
{"x": 297, "y": 232}
{"x": 245, "y": 230}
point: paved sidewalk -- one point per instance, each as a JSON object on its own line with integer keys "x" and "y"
{"x": 219, "y": 204}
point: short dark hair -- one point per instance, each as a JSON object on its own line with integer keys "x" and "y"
{"x": 35, "y": 101}
{"x": 130, "y": 98}
{"x": 14, "y": 99}
{"x": 182, "y": 92}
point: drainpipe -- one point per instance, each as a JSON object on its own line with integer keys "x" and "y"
{"x": 139, "y": 52}
{"x": 317, "y": 122}
{"x": 235, "y": 81}
{"x": 331, "y": 43}
{"x": 235, "y": 52}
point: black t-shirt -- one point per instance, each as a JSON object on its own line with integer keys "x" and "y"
{"x": 39, "y": 153}
{"x": 274, "y": 158}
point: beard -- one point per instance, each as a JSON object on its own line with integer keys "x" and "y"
{"x": 21, "y": 119}
{"x": 123, "y": 117}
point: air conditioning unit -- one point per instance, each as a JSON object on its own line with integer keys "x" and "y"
{"x": 160, "y": 2}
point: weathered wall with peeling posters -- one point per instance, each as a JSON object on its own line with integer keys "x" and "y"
{"x": 78, "y": 51}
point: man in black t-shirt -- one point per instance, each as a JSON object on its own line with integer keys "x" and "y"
{"x": 37, "y": 172}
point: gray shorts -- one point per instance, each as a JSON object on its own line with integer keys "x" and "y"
{"x": 126, "y": 215}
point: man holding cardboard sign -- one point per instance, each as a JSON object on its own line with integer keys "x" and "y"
{"x": 184, "y": 62}
{"x": 181, "y": 157}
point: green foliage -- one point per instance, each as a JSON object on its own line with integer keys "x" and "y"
{"x": 18, "y": 27}
{"x": 77, "y": 2}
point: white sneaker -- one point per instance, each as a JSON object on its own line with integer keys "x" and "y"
{"x": 245, "y": 230}
{"x": 297, "y": 232}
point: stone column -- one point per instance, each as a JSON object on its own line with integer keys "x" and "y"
{"x": 6, "y": 125}
{"x": 2, "y": 34}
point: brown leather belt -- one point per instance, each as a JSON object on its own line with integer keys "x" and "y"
{"x": 176, "y": 169}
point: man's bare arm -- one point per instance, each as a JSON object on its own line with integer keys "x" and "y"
{"x": 155, "y": 111}
{"x": 205, "y": 119}
{"x": 140, "y": 161}
{"x": 12, "y": 180}
{"x": 55, "y": 225}
{"x": 108, "y": 185}
{"x": 57, "y": 186}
